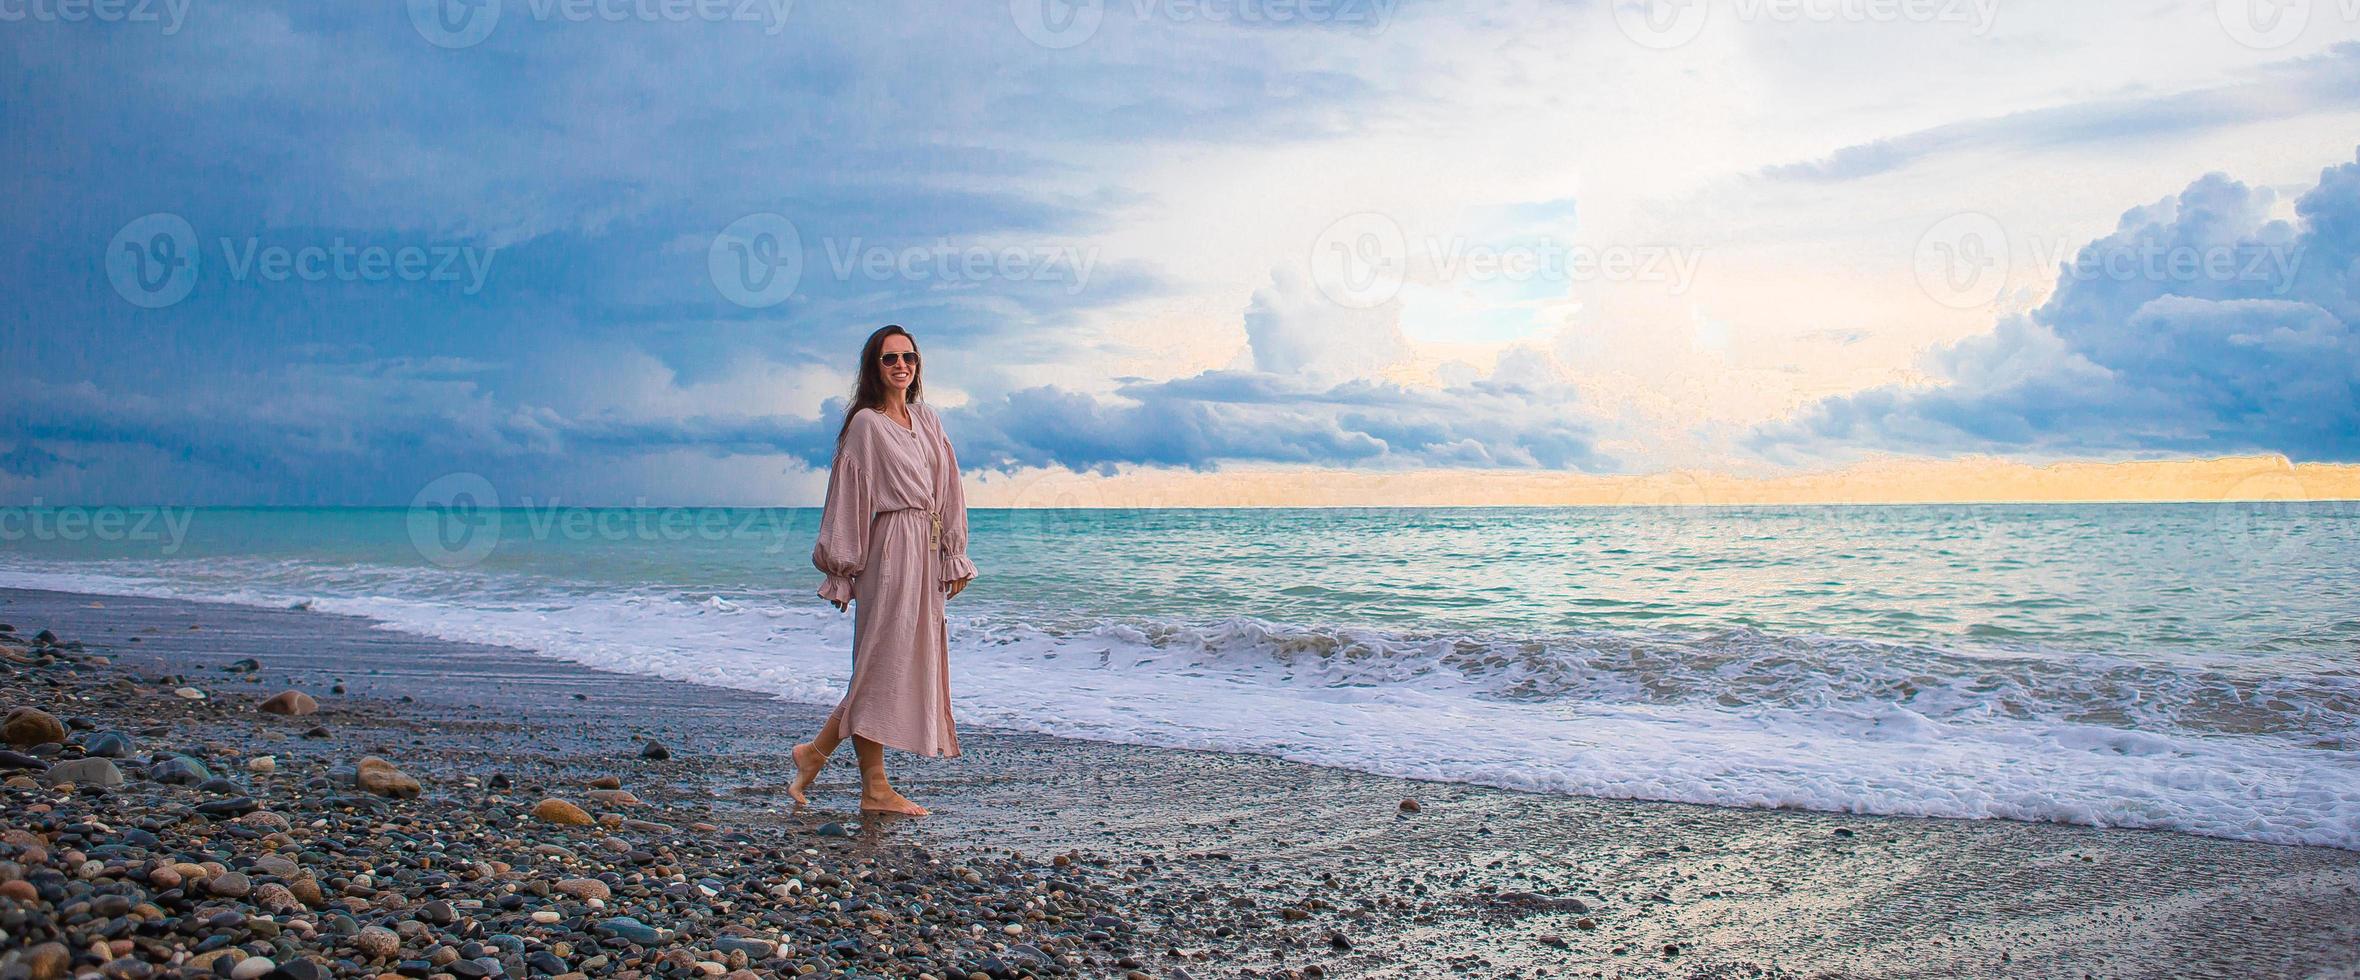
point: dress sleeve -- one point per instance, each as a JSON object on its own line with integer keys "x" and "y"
{"x": 953, "y": 497}
{"x": 844, "y": 523}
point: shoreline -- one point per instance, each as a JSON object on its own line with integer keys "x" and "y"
{"x": 1254, "y": 866}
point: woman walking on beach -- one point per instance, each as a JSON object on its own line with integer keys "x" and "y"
{"x": 893, "y": 542}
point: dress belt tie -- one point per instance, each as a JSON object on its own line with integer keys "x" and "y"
{"x": 933, "y": 526}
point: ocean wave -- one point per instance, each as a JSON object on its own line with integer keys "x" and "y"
{"x": 1732, "y": 717}
{"x": 1743, "y": 668}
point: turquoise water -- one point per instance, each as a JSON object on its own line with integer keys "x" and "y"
{"x": 2184, "y": 666}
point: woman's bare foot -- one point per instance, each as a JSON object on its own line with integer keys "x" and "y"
{"x": 807, "y": 765}
{"x": 887, "y": 801}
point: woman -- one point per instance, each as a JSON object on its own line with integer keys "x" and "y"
{"x": 893, "y": 542}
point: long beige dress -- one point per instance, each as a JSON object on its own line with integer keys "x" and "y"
{"x": 892, "y": 535}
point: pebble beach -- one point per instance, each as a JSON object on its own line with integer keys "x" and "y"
{"x": 137, "y": 846}
{"x": 209, "y": 790}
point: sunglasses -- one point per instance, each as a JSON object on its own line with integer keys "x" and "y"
{"x": 890, "y": 358}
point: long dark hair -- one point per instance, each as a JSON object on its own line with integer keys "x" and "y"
{"x": 870, "y": 391}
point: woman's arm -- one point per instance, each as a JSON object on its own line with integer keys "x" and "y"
{"x": 951, "y": 496}
{"x": 844, "y": 524}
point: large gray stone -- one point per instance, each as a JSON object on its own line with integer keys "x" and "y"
{"x": 85, "y": 772}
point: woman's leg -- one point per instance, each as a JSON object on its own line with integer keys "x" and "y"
{"x": 875, "y": 793}
{"x": 812, "y": 756}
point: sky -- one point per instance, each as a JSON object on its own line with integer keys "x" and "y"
{"x": 625, "y": 251}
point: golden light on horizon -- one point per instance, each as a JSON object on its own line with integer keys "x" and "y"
{"x": 1883, "y": 481}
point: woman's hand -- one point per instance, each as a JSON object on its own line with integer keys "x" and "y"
{"x": 957, "y": 586}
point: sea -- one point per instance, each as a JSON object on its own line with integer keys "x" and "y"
{"x": 2177, "y": 667}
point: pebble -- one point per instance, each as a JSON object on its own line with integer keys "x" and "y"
{"x": 293, "y": 704}
{"x": 384, "y": 779}
{"x": 108, "y": 745}
{"x": 179, "y": 770}
{"x": 236, "y": 806}
{"x": 276, "y": 898}
{"x": 585, "y": 889}
{"x": 85, "y": 772}
{"x": 632, "y": 930}
{"x": 28, "y": 727}
{"x": 558, "y": 811}
{"x": 47, "y": 961}
{"x": 377, "y": 942}
{"x": 759, "y": 949}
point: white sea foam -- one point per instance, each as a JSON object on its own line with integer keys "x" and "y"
{"x": 1734, "y": 718}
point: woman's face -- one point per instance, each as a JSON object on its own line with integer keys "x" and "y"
{"x": 898, "y": 361}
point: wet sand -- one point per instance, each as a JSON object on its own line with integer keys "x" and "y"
{"x": 1245, "y": 865}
